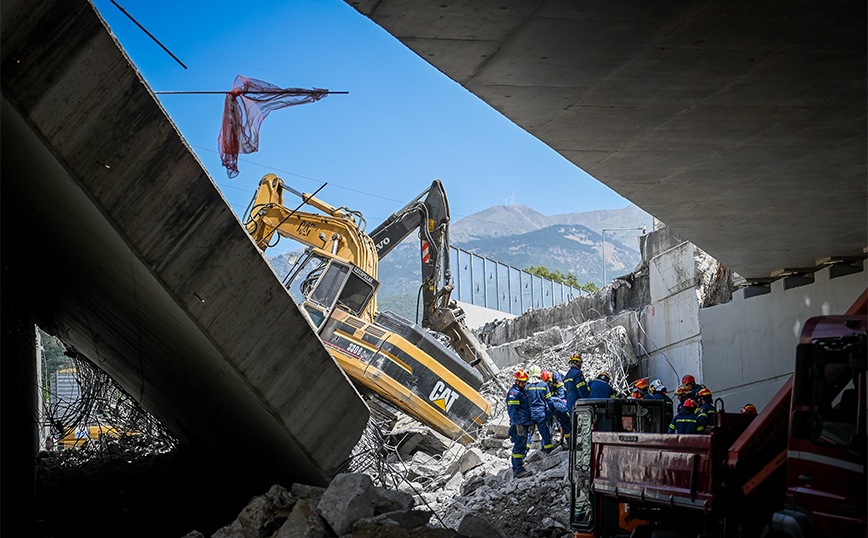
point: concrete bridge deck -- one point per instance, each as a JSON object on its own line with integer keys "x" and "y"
{"x": 116, "y": 240}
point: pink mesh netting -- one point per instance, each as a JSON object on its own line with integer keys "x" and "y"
{"x": 246, "y": 107}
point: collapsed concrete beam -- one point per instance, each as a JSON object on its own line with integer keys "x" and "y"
{"x": 126, "y": 250}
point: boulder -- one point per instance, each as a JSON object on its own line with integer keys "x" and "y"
{"x": 476, "y": 527}
{"x": 471, "y": 485}
{"x": 261, "y": 517}
{"x": 406, "y": 519}
{"x": 349, "y": 498}
{"x": 303, "y": 491}
{"x": 304, "y": 522}
{"x": 470, "y": 459}
{"x": 389, "y": 500}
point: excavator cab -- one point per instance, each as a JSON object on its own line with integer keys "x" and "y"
{"x": 320, "y": 282}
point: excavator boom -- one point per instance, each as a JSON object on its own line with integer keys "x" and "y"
{"x": 429, "y": 214}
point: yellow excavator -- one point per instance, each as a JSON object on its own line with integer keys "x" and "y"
{"x": 431, "y": 372}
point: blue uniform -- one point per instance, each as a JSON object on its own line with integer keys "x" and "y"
{"x": 558, "y": 383}
{"x": 686, "y": 421}
{"x": 538, "y": 395}
{"x": 694, "y": 394}
{"x": 669, "y": 412}
{"x": 575, "y": 386}
{"x": 558, "y": 408}
{"x": 707, "y": 410}
{"x": 600, "y": 389}
{"x": 518, "y": 409}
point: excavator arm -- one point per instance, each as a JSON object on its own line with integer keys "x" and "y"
{"x": 429, "y": 214}
{"x": 336, "y": 232}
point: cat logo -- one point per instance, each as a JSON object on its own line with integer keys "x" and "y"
{"x": 442, "y": 396}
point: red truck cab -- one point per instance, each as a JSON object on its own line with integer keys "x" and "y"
{"x": 796, "y": 470}
{"x": 826, "y": 458}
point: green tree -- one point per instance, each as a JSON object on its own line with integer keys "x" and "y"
{"x": 53, "y": 356}
{"x": 558, "y": 276}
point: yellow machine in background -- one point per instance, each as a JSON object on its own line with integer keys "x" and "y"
{"x": 335, "y": 284}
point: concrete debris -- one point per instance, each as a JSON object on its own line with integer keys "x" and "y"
{"x": 304, "y": 522}
{"x": 416, "y": 483}
{"x": 406, "y": 519}
{"x": 476, "y": 527}
{"x": 349, "y": 498}
{"x": 262, "y": 516}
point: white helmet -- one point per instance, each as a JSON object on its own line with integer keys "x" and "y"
{"x": 657, "y": 385}
{"x": 534, "y": 371}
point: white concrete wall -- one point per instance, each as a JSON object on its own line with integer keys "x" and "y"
{"x": 749, "y": 345}
{"x": 670, "y": 334}
{"x": 477, "y": 316}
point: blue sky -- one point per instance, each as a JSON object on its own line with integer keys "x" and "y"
{"x": 402, "y": 125}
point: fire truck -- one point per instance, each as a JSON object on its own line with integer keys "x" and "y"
{"x": 795, "y": 470}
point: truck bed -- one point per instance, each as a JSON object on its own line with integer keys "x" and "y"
{"x": 660, "y": 469}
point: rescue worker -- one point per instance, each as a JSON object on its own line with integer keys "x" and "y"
{"x": 600, "y": 388}
{"x": 538, "y": 395}
{"x": 687, "y": 421}
{"x": 658, "y": 392}
{"x": 682, "y": 393}
{"x": 520, "y": 424}
{"x": 748, "y": 409}
{"x": 706, "y": 407}
{"x": 692, "y": 386}
{"x": 574, "y": 382}
{"x": 558, "y": 402}
{"x": 641, "y": 386}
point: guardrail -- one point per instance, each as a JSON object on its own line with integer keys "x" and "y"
{"x": 485, "y": 282}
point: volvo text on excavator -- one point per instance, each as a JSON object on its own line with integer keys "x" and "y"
{"x": 432, "y": 372}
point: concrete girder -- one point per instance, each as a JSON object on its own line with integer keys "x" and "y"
{"x": 122, "y": 246}
{"x": 743, "y": 127}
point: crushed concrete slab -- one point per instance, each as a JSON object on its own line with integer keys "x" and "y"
{"x": 471, "y": 459}
{"x": 406, "y": 519}
{"x": 304, "y": 522}
{"x": 263, "y": 512}
{"x": 349, "y": 498}
{"x": 476, "y": 527}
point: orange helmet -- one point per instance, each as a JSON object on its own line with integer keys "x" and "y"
{"x": 521, "y": 375}
{"x": 641, "y": 384}
{"x": 704, "y": 392}
{"x": 682, "y": 390}
{"x": 749, "y": 409}
{"x": 688, "y": 379}
{"x": 546, "y": 375}
{"x": 689, "y": 403}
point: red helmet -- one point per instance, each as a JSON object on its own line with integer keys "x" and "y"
{"x": 688, "y": 379}
{"x": 521, "y": 375}
{"x": 704, "y": 392}
{"x": 749, "y": 409}
{"x": 604, "y": 376}
{"x": 546, "y": 375}
{"x": 682, "y": 390}
{"x": 576, "y": 357}
{"x": 689, "y": 403}
{"x": 637, "y": 395}
{"x": 641, "y": 384}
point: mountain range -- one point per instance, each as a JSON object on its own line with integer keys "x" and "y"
{"x": 519, "y": 236}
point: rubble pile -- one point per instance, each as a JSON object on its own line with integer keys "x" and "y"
{"x": 407, "y": 480}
